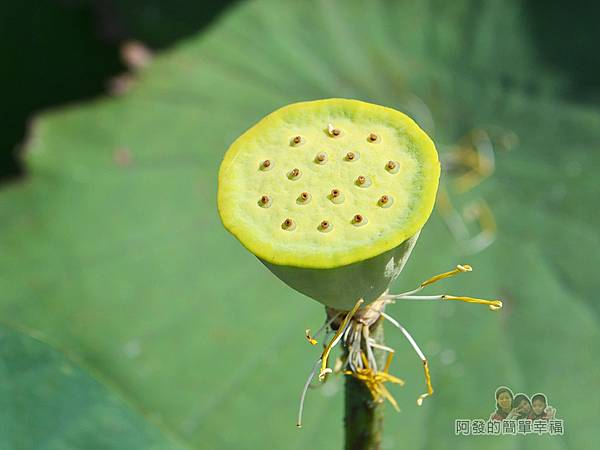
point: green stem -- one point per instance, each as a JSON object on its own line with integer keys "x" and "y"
{"x": 363, "y": 421}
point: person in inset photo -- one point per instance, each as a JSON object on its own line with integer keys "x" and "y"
{"x": 504, "y": 399}
{"x": 540, "y": 408}
{"x": 521, "y": 408}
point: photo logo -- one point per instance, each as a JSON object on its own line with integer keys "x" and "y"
{"x": 514, "y": 414}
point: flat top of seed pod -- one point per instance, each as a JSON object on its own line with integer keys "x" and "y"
{"x": 292, "y": 187}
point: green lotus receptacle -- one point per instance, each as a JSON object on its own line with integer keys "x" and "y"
{"x": 330, "y": 195}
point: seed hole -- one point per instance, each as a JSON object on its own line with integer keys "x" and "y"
{"x": 363, "y": 181}
{"x": 359, "y": 220}
{"x": 336, "y": 196}
{"x": 325, "y": 226}
{"x": 297, "y": 140}
{"x": 373, "y": 138}
{"x": 265, "y": 201}
{"x": 266, "y": 165}
{"x": 351, "y": 156}
{"x": 288, "y": 224}
{"x": 294, "y": 174}
{"x": 392, "y": 167}
{"x": 385, "y": 201}
{"x": 321, "y": 157}
{"x": 304, "y": 198}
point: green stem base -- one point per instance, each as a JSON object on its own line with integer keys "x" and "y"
{"x": 363, "y": 420}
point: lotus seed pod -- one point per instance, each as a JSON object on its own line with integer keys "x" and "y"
{"x": 331, "y": 229}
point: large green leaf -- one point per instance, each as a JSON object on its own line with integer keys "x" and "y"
{"x": 113, "y": 246}
{"x": 48, "y": 402}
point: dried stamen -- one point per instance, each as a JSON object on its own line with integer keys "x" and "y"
{"x": 493, "y": 304}
{"x": 326, "y": 326}
{"x": 414, "y": 345}
{"x": 333, "y": 131}
{"x": 459, "y": 269}
{"x": 374, "y": 381}
{"x": 304, "y": 390}
{"x": 309, "y": 338}
{"x": 336, "y": 338}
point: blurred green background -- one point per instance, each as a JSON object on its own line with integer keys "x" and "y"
{"x": 132, "y": 319}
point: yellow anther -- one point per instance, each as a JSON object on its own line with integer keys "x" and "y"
{"x": 427, "y": 382}
{"x": 336, "y": 337}
{"x": 333, "y": 131}
{"x": 493, "y": 304}
{"x": 451, "y": 273}
{"x": 388, "y": 362}
{"x": 374, "y": 381}
{"x": 310, "y": 339}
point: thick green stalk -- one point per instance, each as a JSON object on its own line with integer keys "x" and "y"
{"x": 363, "y": 421}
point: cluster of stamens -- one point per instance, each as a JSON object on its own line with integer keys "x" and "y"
{"x": 353, "y": 329}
